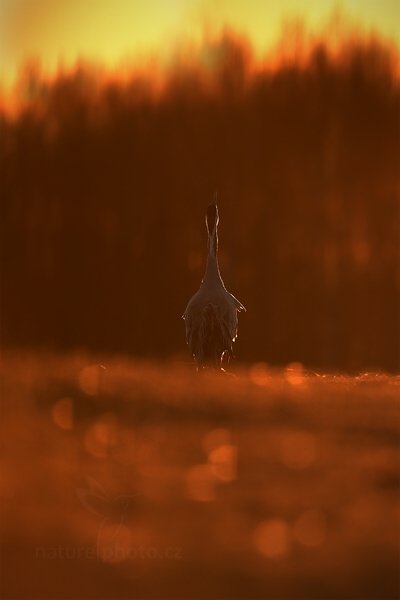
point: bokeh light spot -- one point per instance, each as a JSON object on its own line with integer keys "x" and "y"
{"x": 272, "y": 538}
{"x": 62, "y": 413}
{"x": 89, "y": 379}
{"x": 294, "y": 374}
{"x": 223, "y": 460}
{"x": 101, "y": 436}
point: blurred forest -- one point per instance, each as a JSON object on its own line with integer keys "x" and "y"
{"x": 105, "y": 181}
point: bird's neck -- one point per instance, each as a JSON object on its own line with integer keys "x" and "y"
{"x": 212, "y": 274}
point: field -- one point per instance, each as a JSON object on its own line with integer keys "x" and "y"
{"x": 122, "y": 479}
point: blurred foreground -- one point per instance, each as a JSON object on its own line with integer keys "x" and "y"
{"x": 128, "y": 480}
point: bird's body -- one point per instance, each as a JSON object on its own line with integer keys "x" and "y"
{"x": 211, "y": 314}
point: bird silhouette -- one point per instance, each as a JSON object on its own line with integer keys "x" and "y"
{"x": 211, "y": 315}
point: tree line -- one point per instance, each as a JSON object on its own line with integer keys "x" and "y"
{"x": 104, "y": 185}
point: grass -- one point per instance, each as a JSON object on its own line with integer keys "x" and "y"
{"x": 122, "y": 479}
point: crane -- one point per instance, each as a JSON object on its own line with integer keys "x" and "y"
{"x": 211, "y": 316}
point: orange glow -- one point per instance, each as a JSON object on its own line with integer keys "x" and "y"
{"x": 101, "y": 436}
{"x": 216, "y": 437}
{"x": 295, "y": 374}
{"x": 63, "y": 413}
{"x": 115, "y": 33}
{"x": 81, "y": 517}
{"x": 260, "y": 374}
{"x": 298, "y": 449}
{"x": 223, "y": 460}
{"x": 310, "y": 528}
{"x": 90, "y": 379}
{"x": 124, "y": 452}
{"x": 272, "y": 538}
{"x": 150, "y": 76}
{"x": 200, "y": 483}
{"x": 114, "y": 542}
{"x": 8, "y": 482}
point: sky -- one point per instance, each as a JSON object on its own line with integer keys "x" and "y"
{"x": 108, "y": 31}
